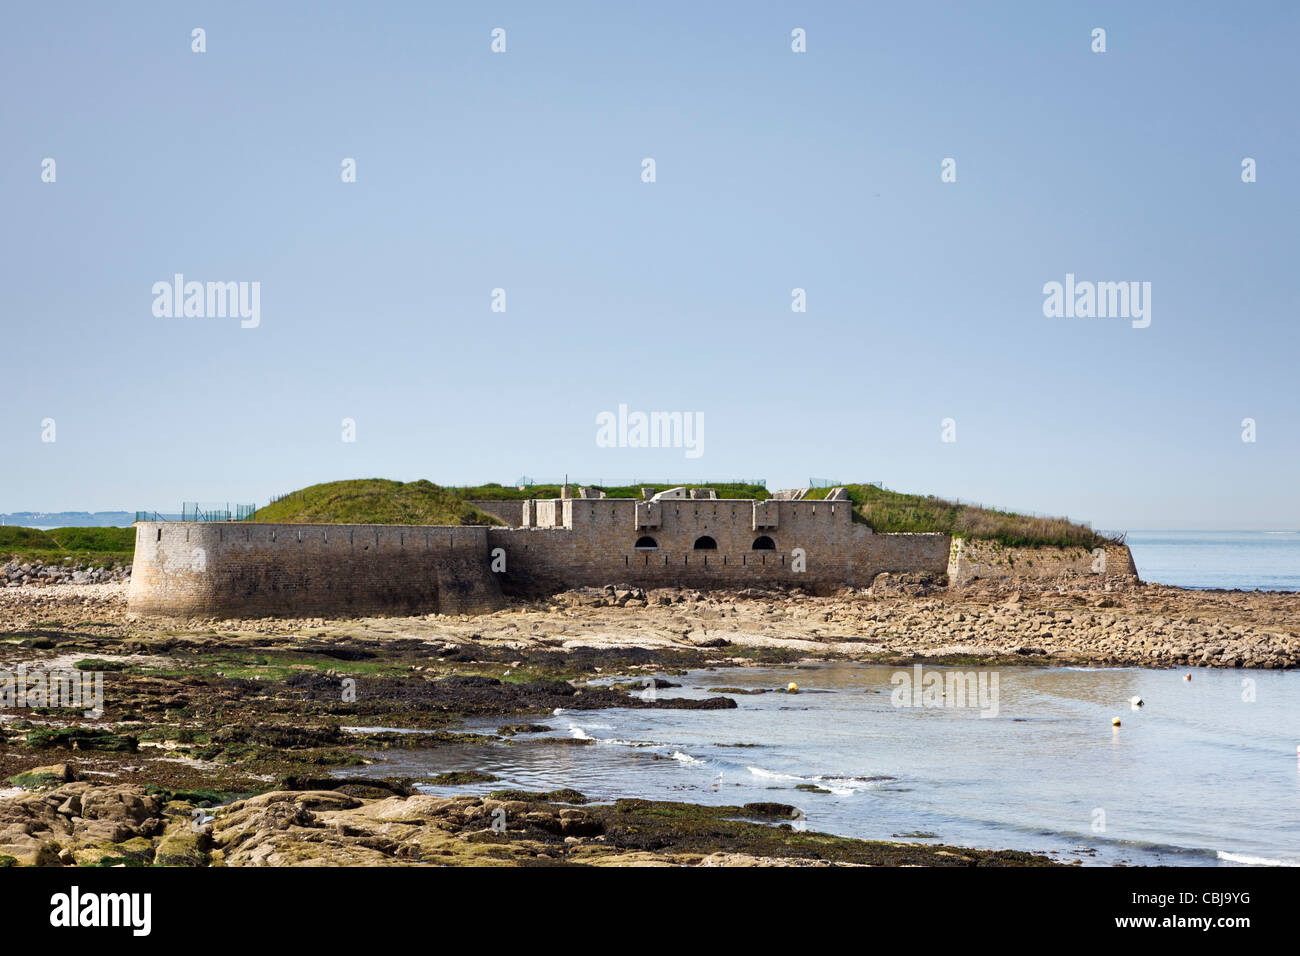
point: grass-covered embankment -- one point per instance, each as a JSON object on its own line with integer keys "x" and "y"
{"x": 96, "y": 547}
{"x": 374, "y": 501}
{"x": 892, "y": 511}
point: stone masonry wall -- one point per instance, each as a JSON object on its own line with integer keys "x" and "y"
{"x": 508, "y": 510}
{"x": 592, "y": 543}
{"x": 901, "y": 554}
{"x": 597, "y": 545}
{"x": 990, "y": 561}
{"x": 246, "y": 569}
{"x": 242, "y": 569}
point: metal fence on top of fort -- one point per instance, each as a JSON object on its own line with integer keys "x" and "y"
{"x": 202, "y": 511}
{"x": 199, "y": 511}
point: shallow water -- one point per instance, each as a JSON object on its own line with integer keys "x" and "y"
{"x": 1197, "y": 776}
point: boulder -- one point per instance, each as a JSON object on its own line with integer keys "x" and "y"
{"x": 40, "y": 778}
{"x": 182, "y": 845}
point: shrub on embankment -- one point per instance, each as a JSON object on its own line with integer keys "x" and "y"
{"x": 892, "y": 511}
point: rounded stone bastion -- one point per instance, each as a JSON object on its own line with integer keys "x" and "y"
{"x": 246, "y": 569}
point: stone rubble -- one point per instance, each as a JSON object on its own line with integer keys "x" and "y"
{"x": 16, "y": 573}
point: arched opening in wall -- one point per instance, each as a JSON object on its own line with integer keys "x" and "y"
{"x": 764, "y": 543}
{"x": 646, "y": 543}
{"x": 705, "y": 543}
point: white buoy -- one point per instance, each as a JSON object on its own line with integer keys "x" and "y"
{"x": 1135, "y": 701}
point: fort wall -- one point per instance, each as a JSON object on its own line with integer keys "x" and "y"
{"x": 598, "y": 543}
{"x": 221, "y": 569}
{"x": 901, "y": 554}
{"x": 990, "y": 561}
{"x": 593, "y": 542}
{"x": 248, "y": 569}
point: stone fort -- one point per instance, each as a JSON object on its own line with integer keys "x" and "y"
{"x": 677, "y": 538}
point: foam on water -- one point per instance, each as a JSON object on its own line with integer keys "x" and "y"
{"x": 1246, "y": 860}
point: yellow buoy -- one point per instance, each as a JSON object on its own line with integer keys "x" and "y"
{"x": 1114, "y": 721}
{"x": 792, "y": 688}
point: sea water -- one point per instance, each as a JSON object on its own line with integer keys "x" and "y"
{"x": 1204, "y": 773}
{"x": 1247, "y": 560}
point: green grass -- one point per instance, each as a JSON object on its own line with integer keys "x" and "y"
{"x": 374, "y": 501}
{"x": 817, "y": 494}
{"x": 892, "y": 511}
{"x": 98, "y": 547}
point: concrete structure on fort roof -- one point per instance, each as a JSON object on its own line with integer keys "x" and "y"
{"x": 677, "y": 538}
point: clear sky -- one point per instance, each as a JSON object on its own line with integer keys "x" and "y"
{"x": 775, "y": 170}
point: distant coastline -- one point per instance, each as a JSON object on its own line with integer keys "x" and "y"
{"x": 46, "y": 520}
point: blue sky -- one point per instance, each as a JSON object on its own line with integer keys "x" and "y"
{"x": 774, "y": 170}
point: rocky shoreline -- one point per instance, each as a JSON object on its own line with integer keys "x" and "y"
{"x": 898, "y": 618}
{"x": 77, "y": 823}
{"x": 249, "y": 727}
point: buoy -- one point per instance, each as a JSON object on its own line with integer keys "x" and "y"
{"x": 792, "y": 688}
{"x": 1135, "y": 701}
{"x": 1114, "y": 721}
{"x": 1187, "y": 677}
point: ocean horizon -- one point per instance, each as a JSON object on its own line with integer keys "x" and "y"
{"x": 1203, "y": 560}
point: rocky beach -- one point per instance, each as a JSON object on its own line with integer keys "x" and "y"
{"x": 235, "y": 742}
